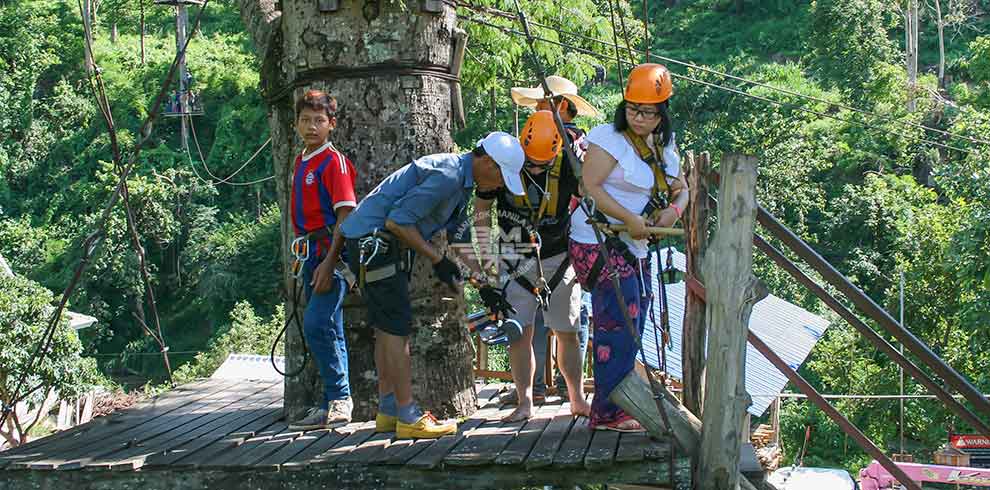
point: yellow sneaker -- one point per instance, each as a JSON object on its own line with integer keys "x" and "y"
{"x": 385, "y": 423}
{"x": 427, "y": 427}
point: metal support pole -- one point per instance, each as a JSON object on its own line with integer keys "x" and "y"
{"x": 181, "y": 21}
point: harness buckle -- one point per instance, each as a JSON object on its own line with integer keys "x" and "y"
{"x": 299, "y": 249}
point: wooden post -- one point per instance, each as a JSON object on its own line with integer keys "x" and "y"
{"x": 732, "y": 291}
{"x": 695, "y": 331}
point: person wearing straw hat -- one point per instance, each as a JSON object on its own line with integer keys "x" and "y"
{"x": 569, "y": 105}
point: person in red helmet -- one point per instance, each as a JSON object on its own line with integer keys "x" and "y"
{"x": 632, "y": 175}
{"x": 536, "y": 274}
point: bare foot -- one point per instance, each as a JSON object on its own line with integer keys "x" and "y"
{"x": 518, "y": 415}
{"x": 580, "y": 408}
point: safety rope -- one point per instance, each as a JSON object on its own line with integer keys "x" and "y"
{"x": 225, "y": 180}
{"x": 91, "y": 243}
{"x": 615, "y": 43}
{"x": 498, "y": 13}
{"x": 293, "y": 318}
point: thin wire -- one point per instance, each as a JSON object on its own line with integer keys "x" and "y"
{"x": 729, "y": 89}
{"x": 128, "y": 354}
{"x": 218, "y": 180}
{"x": 509, "y": 15}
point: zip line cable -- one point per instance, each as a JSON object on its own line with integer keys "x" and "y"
{"x": 508, "y": 15}
{"x": 92, "y": 242}
{"x": 225, "y": 180}
{"x": 794, "y": 106}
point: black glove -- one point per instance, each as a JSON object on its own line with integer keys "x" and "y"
{"x": 448, "y": 272}
{"x": 494, "y": 301}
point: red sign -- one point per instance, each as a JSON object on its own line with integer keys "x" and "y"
{"x": 970, "y": 442}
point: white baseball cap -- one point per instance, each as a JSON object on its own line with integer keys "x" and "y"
{"x": 508, "y": 154}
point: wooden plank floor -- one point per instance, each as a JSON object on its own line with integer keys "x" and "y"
{"x": 216, "y": 425}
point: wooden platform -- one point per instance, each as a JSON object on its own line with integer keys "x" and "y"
{"x": 220, "y": 434}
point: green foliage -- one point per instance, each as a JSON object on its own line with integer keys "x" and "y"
{"x": 848, "y": 41}
{"x": 875, "y": 201}
{"x": 25, "y": 308}
{"x": 978, "y": 64}
{"x": 247, "y": 333}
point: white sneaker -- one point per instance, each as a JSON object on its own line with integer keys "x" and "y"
{"x": 340, "y": 412}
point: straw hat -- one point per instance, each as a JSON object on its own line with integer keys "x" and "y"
{"x": 529, "y": 97}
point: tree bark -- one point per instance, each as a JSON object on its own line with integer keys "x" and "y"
{"x": 695, "y": 329}
{"x": 731, "y": 292}
{"x": 387, "y": 117}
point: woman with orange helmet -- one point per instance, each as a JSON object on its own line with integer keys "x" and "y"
{"x": 632, "y": 174}
{"x": 549, "y": 183}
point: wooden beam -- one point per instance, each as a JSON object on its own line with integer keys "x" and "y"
{"x": 732, "y": 292}
{"x": 694, "y": 328}
{"x": 634, "y": 396}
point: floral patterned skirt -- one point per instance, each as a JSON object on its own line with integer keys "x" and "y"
{"x": 613, "y": 345}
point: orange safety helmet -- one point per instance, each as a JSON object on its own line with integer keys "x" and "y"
{"x": 539, "y": 137}
{"x": 649, "y": 83}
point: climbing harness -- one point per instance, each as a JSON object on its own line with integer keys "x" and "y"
{"x": 551, "y": 195}
{"x": 380, "y": 256}
{"x": 660, "y": 196}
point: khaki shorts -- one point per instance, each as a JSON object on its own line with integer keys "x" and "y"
{"x": 564, "y": 314}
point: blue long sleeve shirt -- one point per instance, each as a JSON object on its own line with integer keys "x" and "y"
{"x": 431, "y": 193}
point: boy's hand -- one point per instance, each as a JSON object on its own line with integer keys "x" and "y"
{"x": 323, "y": 276}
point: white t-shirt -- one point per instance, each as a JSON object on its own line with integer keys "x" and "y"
{"x": 629, "y": 183}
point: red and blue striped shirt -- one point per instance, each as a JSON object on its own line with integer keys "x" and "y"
{"x": 323, "y": 181}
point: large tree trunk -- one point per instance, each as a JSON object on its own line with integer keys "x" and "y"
{"x": 371, "y": 56}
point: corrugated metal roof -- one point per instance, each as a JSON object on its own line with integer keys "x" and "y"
{"x": 791, "y": 331}
{"x": 249, "y": 367}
